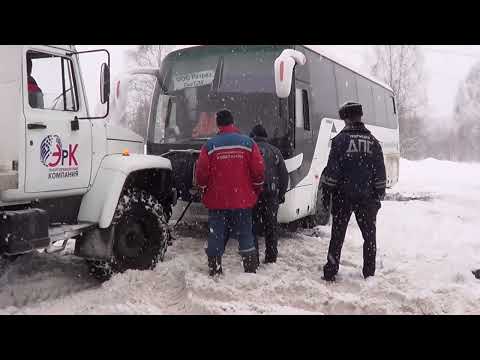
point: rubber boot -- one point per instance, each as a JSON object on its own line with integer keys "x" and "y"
{"x": 476, "y": 273}
{"x": 367, "y": 274}
{"x": 329, "y": 273}
{"x": 214, "y": 265}
{"x": 250, "y": 262}
{"x": 270, "y": 257}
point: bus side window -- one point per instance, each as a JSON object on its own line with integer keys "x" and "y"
{"x": 299, "y": 113}
{"x": 306, "y": 110}
{"x": 302, "y": 110}
{"x": 346, "y": 85}
{"x": 381, "y": 118}
{"x": 365, "y": 97}
{"x": 391, "y": 111}
{"x": 324, "y": 89}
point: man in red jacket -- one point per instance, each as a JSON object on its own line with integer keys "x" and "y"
{"x": 230, "y": 170}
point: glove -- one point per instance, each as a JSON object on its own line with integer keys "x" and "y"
{"x": 201, "y": 190}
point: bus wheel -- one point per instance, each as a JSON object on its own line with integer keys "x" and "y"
{"x": 322, "y": 215}
{"x": 293, "y": 226}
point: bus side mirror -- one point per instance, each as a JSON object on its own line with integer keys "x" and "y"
{"x": 104, "y": 83}
{"x": 283, "y": 68}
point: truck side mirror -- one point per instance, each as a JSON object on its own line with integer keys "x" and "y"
{"x": 104, "y": 83}
{"x": 283, "y": 68}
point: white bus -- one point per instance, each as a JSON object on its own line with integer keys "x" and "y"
{"x": 292, "y": 90}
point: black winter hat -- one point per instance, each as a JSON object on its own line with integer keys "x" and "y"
{"x": 350, "y": 109}
{"x": 224, "y": 118}
{"x": 259, "y": 130}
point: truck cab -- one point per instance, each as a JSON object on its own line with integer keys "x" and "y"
{"x": 66, "y": 174}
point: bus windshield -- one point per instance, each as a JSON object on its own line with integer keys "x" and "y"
{"x": 203, "y": 80}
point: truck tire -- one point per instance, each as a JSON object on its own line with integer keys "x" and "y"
{"x": 141, "y": 235}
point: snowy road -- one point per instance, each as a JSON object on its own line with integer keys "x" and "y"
{"x": 426, "y": 250}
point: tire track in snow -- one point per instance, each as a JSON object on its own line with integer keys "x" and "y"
{"x": 419, "y": 271}
{"x": 38, "y": 277}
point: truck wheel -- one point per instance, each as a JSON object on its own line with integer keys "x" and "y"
{"x": 141, "y": 232}
{"x": 141, "y": 235}
{"x": 100, "y": 270}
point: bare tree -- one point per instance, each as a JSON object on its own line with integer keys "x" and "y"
{"x": 402, "y": 68}
{"x": 149, "y": 55}
{"x": 144, "y": 56}
{"x": 467, "y": 117}
{"x": 141, "y": 87}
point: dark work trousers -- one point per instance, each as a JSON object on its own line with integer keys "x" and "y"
{"x": 265, "y": 222}
{"x": 223, "y": 224}
{"x": 366, "y": 214}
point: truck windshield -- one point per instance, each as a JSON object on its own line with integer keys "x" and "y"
{"x": 203, "y": 80}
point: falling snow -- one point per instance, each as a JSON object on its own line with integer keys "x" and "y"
{"x": 426, "y": 251}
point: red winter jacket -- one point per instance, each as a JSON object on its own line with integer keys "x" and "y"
{"x": 32, "y": 86}
{"x": 35, "y": 95}
{"x": 230, "y": 169}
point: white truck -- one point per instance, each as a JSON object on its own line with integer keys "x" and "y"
{"x": 67, "y": 175}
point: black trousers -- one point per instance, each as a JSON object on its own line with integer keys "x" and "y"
{"x": 366, "y": 211}
{"x": 265, "y": 222}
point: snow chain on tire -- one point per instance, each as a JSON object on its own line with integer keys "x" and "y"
{"x": 136, "y": 204}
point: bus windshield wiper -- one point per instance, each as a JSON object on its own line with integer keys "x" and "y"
{"x": 218, "y": 77}
{"x": 161, "y": 81}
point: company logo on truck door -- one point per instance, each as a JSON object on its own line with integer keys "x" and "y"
{"x": 61, "y": 162}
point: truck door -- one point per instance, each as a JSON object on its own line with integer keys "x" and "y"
{"x": 58, "y": 154}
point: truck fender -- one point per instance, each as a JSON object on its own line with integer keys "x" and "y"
{"x": 100, "y": 202}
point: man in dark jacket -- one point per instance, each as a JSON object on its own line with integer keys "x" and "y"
{"x": 230, "y": 170}
{"x": 274, "y": 189}
{"x": 355, "y": 179}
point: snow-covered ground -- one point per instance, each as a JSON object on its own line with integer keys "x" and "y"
{"x": 427, "y": 248}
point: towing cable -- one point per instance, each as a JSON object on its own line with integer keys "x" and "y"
{"x": 196, "y": 192}
{"x": 183, "y": 213}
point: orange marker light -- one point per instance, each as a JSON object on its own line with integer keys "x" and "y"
{"x": 126, "y": 152}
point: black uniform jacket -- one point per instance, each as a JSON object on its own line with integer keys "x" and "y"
{"x": 356, "y": 167}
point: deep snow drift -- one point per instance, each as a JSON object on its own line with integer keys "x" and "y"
{"x": 427, "y": 246}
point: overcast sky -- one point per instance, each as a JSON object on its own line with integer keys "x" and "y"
{"x": 446, "y": 66}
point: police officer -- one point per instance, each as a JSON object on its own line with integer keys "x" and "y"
{"x": 274, "y": 189}
{"x": 355, "y": 181}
